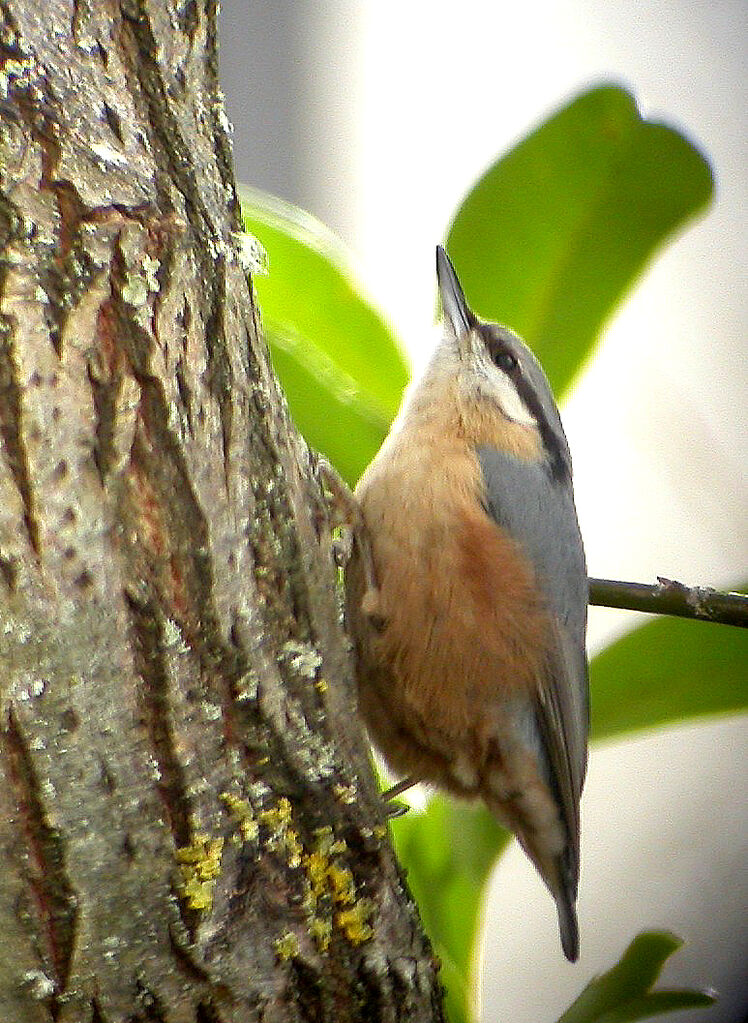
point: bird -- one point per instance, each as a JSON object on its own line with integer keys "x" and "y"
{"x": 467, "y": 598}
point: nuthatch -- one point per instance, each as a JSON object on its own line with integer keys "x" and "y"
{"x": 469, "y": 620}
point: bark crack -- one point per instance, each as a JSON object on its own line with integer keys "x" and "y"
{"x": 174, "y": 538}
{"x": 154, "y": 696}
{"x": 54, "y": 895}
{"x": 11, "y": 415}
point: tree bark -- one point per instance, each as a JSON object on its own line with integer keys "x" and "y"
{"x": 189, "y": 825}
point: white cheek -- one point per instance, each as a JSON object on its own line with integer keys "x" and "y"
{"x": 505, "y": 393}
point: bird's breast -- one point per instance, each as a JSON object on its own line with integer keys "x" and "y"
{"x": 457, "y": 625}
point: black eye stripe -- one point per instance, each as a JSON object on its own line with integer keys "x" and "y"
{"x": 504, "y": 360}
{"x": 498, "y": 350}
{"x": 499, "y": 353}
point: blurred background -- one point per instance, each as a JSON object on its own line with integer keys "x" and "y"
{"x": 377, "y": 117}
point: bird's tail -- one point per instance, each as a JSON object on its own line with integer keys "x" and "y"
{"x": 567, "y": 922}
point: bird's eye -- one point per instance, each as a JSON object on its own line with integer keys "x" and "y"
{"x": 504, "y": 360}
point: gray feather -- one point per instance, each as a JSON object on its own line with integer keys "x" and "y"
{"x": 537, "y": 510}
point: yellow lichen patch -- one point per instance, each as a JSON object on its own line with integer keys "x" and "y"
{"x": 243, "y": 814}
{"x": 283, "y": 837}
{"x": 320, "y": 929}
{"x": 293, "y": 849}
{"x": 342, "y": 885}
{"x": 287, "y": 946}
{"x": 327, "y": 844}
{"x": 199, "y": 866}
{"x": 328, "y": 882}
{"x": 345, "y": 794}
{"x": 316, "y": 864}
{"x": 321, "y": 685}
{"x": 278, "y": 817}
{"x": 354, "y": 922}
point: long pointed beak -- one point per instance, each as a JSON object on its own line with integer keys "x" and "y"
{"x": 456, "y": 310}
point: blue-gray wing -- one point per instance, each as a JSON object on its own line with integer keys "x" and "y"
{"x": 536, "y": 508}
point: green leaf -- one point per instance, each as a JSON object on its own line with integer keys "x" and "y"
{"x": 339, "y": 363}
{"x": 667, "y": 670}
{"x": 548, "y": 241}
{"x": 624, "y": 994}
{"x": 555, "y": 232}
{"x": 448, "y": 851}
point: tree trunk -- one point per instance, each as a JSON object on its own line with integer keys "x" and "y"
{"x": 189, "y": 826}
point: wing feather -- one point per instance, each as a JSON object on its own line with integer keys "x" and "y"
{"x": 537, "y": 510}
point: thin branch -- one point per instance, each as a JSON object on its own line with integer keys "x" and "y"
{"x": 668, "y": 597}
